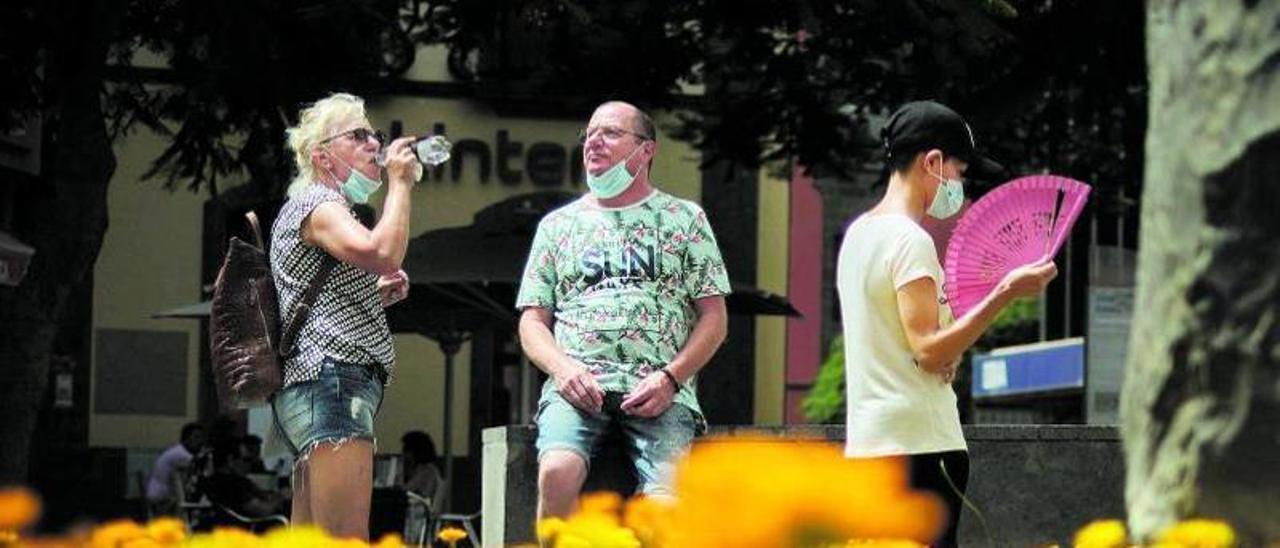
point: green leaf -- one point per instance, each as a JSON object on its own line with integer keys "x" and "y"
{"x": 825, "y": 402}
{"x": 998, "y": 8}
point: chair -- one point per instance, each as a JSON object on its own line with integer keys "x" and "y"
{"x": 427, "y": 509}
{"x": 435, "y": 521}
{"x": 140, "y": 478}
{"x": 431, "y": 506}
{"x": 389, "y": 512}
{"x": 222, "y": 511}
{"x": 199, "y": 513}
{"x": 440, "y": 519}
{"x": 192, "y": 512}
{"x": 467, "y": 525}
{"x": 252, "y": 521}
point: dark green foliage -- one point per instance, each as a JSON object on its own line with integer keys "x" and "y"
{"x": 1048, "y": 85}
{"x": 825, "y": 402}
{"x": 555, "y": 57}
{"x": 1018, "y": 323}
{"x": 239, "y": 71}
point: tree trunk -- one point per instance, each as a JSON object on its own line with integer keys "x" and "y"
{"x": 1202, "y": 392}
{"x": 63, "y": 214}
{"x": 726, "y": 386}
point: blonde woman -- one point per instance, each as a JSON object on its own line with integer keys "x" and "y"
{"x": 334, "y": 379}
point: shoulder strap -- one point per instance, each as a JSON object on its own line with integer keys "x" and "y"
{"x": 289, "y": 335}
{"x": 256, "y": 229}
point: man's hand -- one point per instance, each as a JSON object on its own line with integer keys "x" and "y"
{"x": 581, "y": 389}
{"x": 652, "y": 397}
{"x": 393, "y": 288}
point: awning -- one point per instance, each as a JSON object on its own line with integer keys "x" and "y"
{"x": 195, "y": 310}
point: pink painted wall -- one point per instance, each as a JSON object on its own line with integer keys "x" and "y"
{"x": 804, "y": 289}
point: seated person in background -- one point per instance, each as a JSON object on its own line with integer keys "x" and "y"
{"x": 222, "y": 432}
{"x": 251, "y": 448}
{"x": 421, "y": 463}
{"x": 421, "y": 476}
{"x": 174, "y": 459}
{"x": 228, "y": 487}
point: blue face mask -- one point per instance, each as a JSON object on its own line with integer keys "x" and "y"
{"x": 358, "y": 186}
{"x": 949, "y": 198}
{"x": 613, "y": 181}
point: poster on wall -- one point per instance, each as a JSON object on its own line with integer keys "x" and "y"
{"x": 1110, "y": 315}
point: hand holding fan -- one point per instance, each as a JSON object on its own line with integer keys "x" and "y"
{"x": 1021, "y": 222}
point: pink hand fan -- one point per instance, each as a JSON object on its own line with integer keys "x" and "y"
{"x": 1018, "y": 223}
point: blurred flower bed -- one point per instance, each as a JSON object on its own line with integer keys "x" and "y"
{"x": 733, "y": 493}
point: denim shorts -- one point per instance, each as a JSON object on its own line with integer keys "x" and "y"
{"x": 653, "y": 443}
{"x": 337, "y": 406}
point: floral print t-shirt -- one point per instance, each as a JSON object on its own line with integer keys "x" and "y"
{"x": 622, "y": 285}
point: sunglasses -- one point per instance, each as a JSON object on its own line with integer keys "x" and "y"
{"x": 360, "y": 135}
{"x": 610, "y": 133}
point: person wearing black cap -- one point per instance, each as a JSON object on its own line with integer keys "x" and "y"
{"x": 902, "y": 347}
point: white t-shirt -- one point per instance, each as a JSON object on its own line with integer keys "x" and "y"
{"x": 173, "y": 458}
{"x": 892, "y": 406}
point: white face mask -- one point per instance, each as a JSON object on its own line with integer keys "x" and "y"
{"x": 949, "y": 198}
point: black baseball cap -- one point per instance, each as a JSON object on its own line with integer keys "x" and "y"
{"x": 922, "y": 125}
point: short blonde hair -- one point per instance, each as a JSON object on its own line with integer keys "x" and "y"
{"x": 316, "y": 122}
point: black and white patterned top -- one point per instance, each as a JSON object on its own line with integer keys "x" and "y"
{"x": 347, "y": 322}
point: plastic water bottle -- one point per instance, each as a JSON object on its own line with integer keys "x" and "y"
{"x": 432, "y": 150}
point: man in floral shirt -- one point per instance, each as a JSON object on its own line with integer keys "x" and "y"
{"x": 622, "y": 303}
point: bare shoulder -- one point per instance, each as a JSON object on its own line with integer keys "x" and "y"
{"x": 325, "y": 217}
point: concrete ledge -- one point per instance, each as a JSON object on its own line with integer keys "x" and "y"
{"x": 1033, "y": 484}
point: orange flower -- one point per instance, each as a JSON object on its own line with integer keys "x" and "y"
{"x": 596, "y": 523}
{"x": 167, "y": 531}
{"x": 1198, "y": 533}
{"x": 603, "y": 502}
{"x": 19, "y": 508}
{"x": 451, "y": 535}
{"x": 1103, "y": 533}
{"x": 649, "y": 518}
{"x": 595, "y": 531}
{"x": 783, "y": 492}
{"x": 390, "y": 540}
{"x": 809, "y": 494}
{"x": 141, "y": 542}
{"x": 297, "y": 535}
{"x": 233, "y": 536}
{"x": 883, "y": 543}
{"x": 117, "y": 534}
{"x": 549, "y": 528}
{"x": 343, "y": 543}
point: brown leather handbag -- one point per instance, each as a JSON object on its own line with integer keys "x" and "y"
{"x": 245, "y": 340}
